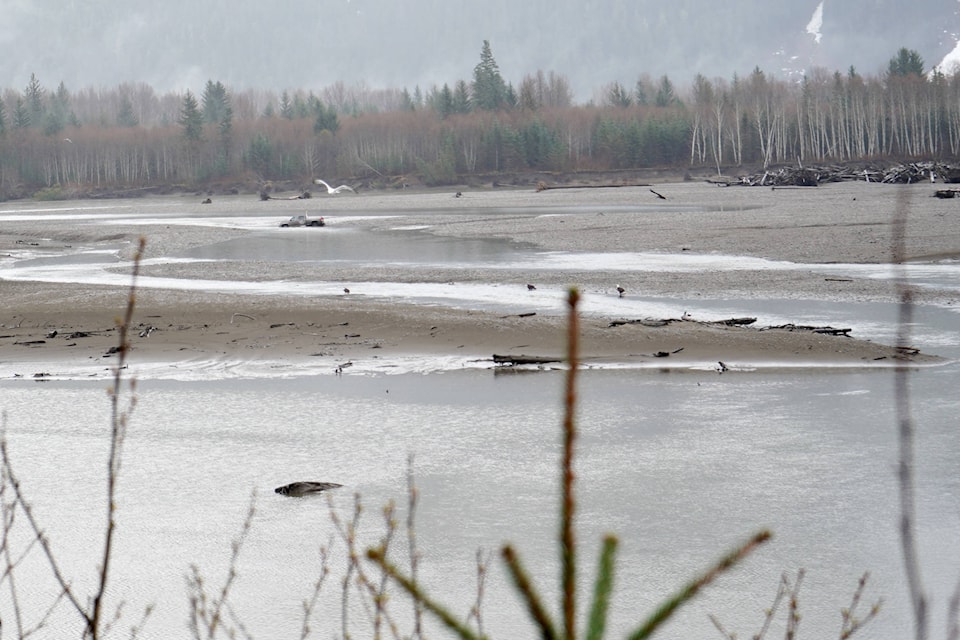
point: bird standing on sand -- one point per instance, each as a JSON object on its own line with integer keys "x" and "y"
{"x": 621, "y": 291}
{"x": 530, "y": 287}
{"x": 333, "y": 190}
{"x": 345, "y": 290}
{"x": 300, "y": 489}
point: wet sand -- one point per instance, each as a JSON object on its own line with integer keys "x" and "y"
{"x": 848, "y": 223}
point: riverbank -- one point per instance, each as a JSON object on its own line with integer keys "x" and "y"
{"x": 45, "y": 324}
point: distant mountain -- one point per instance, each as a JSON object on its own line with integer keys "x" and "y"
{"x": 311, "y": 44}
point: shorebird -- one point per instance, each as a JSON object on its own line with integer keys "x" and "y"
{"x": 330, "y": 189}
{"x": 345, "y": 290}
{"x": 621, "y": 290}
{"x": 530, "y": 287}
{"x": 300, "y": 489}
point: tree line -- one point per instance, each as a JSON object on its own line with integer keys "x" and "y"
{"x": 130, "y": 136}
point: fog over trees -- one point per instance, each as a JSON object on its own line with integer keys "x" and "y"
{"x": 177, "y": 45}
{"x": 55, "y": 141}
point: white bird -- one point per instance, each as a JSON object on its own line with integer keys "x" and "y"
{"x": 330, "y": 189}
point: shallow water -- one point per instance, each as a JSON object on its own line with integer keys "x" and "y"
{"x": 680, "y": 465}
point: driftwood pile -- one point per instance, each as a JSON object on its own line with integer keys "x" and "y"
{"x": 812, "y": 176}
{"x": 514, "y": 360}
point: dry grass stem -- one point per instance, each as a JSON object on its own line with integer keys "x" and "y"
{"x": 692, "y": 588}
{"x": 567, "y": 542}
{"x": 850, "y": 623}
{"x": 483, "y": 568}
{"x": 908, "y": 516}
{"x": 414, "y": 591}
{"x": 311, "y": 604}
{"x": 207, "y": 613}
{"x": 413, "y": 497}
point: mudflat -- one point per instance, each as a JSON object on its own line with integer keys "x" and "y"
{"x": 44, "y": 324}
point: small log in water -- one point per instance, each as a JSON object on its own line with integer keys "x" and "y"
{"x": 509, "y": 360}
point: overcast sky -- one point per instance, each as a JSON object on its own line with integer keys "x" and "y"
{"x": 311, "y": 44}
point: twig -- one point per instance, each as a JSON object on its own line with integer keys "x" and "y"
{"x": 483, "y": 567}
{"x": 691, "y": 589}
{"x": 793, "y": 608}
{"x": 905, "y": 421}
{"x": 310, "y": 605}
{"x": 415, "y": 592}
{"x": 850, "y": 623}
{"x": 567, "y": 541}
{"x": 348, "y": 533}
{"x": 241, "y": 315}
{"x": 212, "y": 617}
{"x": 412, "y": 500}
{"x": 118, "y": 430}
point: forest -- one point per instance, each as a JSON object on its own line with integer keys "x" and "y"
{"x": 58, "y": 143}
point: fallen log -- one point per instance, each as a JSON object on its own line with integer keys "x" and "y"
{"x": 647, "y": 322}
{"x": 657, "y": 322}
{"x": 729, "y": 322}
{"x": 543, "y": 186}
{"x": 824, "y": 330}
{"x": 511, "y": 361}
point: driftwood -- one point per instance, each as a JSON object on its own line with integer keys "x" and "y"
{"x": 732, "y": 322}
{"x": 543, "y": 186}
{"x": 264, "y": 195}
{"x": 513, "y": 361}
{"x": 825, "y": 330}
{"x": 946, "y": 193}
{"x": 729, "y": 322}
{"x": 647, "y": 322}
{"x": 654, "y": 322}
{"x": 800, "y": 176}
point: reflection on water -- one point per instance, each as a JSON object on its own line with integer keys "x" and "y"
{"x": 351, "y": 245}
{"x": 681, "y": 466}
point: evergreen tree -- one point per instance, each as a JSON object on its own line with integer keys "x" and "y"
{"x": 125, "y": 115}
{"x": 300, "y": 107}
{"x": 21, "y": 115}
{"x": 59, "y": 112}
{"x": 286, "y": 109}
{"x": 443, "y": 102}
{"x": 666, "y": 96}
{"x": 511, "y": 101}
{"x": 461, "y": 98}
{"x": 325, "y": 118}
{"x": 191, "y": 119}
{"x": 35, "y": 95}
{"x": 260, "y": 155}
{"x": 618, "y": 96}
{"x": 216, "y": 103}
{"x": 489, "y": 89}
{"x": 406, "y": 101}
{"x": 641, "y": 93}
{"x": 906, "y": 62}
